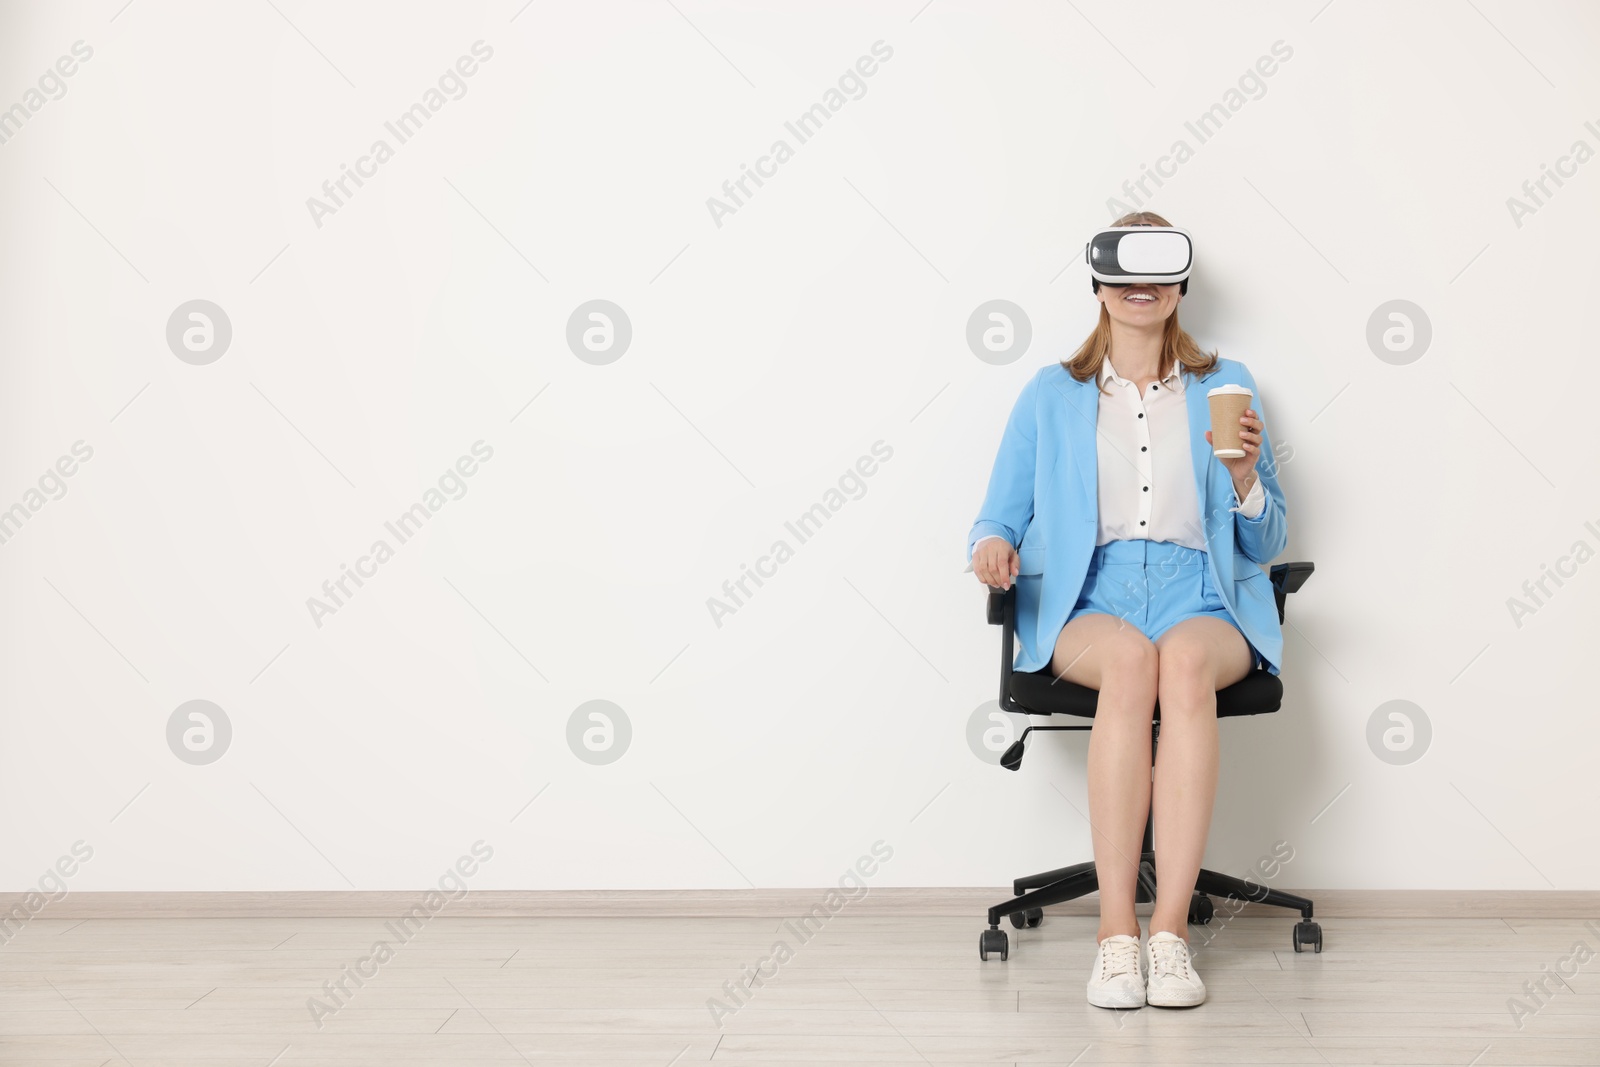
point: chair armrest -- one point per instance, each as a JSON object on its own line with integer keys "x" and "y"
{"x": 1003, "y": 613}
{"x": 997, "y": 605}
{"x": 1288, "y": 578}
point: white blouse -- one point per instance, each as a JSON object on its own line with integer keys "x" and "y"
{"x": 1145, "y": 464}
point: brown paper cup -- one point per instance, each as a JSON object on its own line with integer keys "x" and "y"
{"x": 1228, "y": 404}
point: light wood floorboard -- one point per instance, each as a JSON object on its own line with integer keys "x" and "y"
{"x": 865, "y": 989}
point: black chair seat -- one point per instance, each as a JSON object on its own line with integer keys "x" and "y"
{"x": 1041, "y": 693}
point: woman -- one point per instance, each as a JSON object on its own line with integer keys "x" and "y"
{"x": 1135, "y": 555}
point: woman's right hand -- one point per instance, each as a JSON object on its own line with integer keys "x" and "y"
{"x": 995, "y": 562}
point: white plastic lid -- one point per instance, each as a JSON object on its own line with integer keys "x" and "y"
{"x": 1245, "y": 389}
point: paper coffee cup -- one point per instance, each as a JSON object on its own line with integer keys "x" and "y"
{"x": 1228, "y": 404}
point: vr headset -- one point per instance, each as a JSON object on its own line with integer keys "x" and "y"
{"x": 1132, "y": 255}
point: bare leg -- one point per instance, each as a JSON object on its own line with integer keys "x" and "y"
{"x": 1104, "y": 653}
{"x": 1197, "y": 657}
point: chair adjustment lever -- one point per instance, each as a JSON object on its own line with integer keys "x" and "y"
{"x": 1011, "y": 759}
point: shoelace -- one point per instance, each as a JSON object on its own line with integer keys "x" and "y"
{"x": 1169, "y": 959}
{"x": 1118, "y": 957}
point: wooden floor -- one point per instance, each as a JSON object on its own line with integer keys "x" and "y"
{"x": 865, "y": 989}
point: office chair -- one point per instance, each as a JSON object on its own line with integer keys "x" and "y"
{"x": 1041, "y": 693}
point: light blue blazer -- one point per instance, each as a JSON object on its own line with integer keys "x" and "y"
{"x": 1043, "y": 498}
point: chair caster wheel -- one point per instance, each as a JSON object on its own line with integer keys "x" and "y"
{"x": 1029, "y": 919}
{"x": 1307, "y": 932}
{"x": 1201, "y": 910}
{"x": 993, "y": 941}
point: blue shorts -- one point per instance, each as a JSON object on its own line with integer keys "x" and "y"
{"x": 1153, "y": 585}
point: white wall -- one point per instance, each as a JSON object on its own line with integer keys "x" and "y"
{"x": 768, "y": 354}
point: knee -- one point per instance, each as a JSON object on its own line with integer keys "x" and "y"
{"x": 1130, "y": 659}
{"x": 1184, "y": 665}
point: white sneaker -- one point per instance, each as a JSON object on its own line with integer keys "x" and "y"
{"x": 1173, "y": 981}
{"x": 1115, "y": 981}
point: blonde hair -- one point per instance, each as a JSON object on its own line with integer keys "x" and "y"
{"x": 1176, "y": 343}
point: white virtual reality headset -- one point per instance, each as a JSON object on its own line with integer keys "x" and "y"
{"x": 1133, "y": 255}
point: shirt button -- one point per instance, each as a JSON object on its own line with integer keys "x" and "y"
{"x": 1141, "y": 522}
{"x": 1142, "y": 448}
{"x": 1147, "y": 488}
{"x": 1141, "y": 414}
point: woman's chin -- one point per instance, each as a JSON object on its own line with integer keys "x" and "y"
{"x": 1139, "y": 317}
